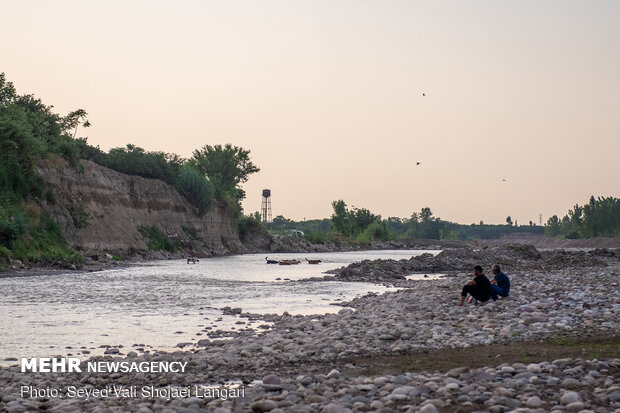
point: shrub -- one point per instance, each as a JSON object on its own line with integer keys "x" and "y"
{"x": 80, "y": 217}
{"x": 316, "y": 237}
{"x": 157, "y": 239}
{"x": 5, "y": 254}
{"x": 134, "y": 160}
{"x": 249, "y": 224}
{"x": 195, "y": 187}
{"x": 8, "y": 232}
{"x": 375, "y": 231}
{"x": 32, "y": 210}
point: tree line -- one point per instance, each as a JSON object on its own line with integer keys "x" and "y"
{"x": 600, "y": 217}
{"x": 362, "y": 225}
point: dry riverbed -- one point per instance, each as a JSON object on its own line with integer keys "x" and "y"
{"x": 552, "y": 346}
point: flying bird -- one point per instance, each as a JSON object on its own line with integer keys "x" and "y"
{"x": 423, "y": 94}
{"x": 417, "y": 163}
{"x": 503, "y": 180}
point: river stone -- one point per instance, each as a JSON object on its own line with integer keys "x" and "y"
{"x": 263, "y": 406}
{"x": 534, "y": 368}
{"x": 534, "y": 402}
{"x": 455, "y": 372}
{"x": 272, "y": 382}
{"x": 575, "y": 407}
{"x": 570, "y": 397}
{"x": 335, "y": 408}
{"x": 570, "y": 383}
{"x": 333, "y": 374}
{"x": 429, "y": 408}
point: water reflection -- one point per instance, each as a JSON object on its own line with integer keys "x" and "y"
{"x": 163, "y": 303}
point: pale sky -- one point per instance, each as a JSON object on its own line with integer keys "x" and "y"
{"x": 328, "y": 95}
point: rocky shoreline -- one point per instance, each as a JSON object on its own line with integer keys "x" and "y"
{"x": 510, "y": 257}
{"x": 309, "y": 363}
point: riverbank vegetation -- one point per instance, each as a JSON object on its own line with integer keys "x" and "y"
{"x": 31, "y": 131}
{"x": 600, "y": 217}
{"x": 359, "y": 225}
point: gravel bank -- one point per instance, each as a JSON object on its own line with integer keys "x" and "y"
{"x": 302, "y": 351}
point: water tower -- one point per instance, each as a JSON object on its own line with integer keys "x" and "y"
{"x": 265, "y": 208}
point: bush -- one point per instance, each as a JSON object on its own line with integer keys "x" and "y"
{"x": 8, "y": 232}
{"x": 195, "y": 187}
{"x": 249, "y": 224}
{"x": 316, "y": 237}
{"x": 41, "y": 240}
{"x": 157, "y": 239}
{"x": 134, "y": 160}
{"x": 5, "y": 254}
{"x": 80, "y": 217}
{"x": 374, "y": 231}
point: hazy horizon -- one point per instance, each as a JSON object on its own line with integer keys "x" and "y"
{"x": 328, "y": 96}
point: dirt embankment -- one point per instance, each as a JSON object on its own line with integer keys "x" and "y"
{"x": 100, "y": 210}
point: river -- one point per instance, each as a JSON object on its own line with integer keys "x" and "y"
{"x": 162, "y": 303}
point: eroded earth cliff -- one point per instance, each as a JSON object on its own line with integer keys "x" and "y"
{"x": 100, "y": 210}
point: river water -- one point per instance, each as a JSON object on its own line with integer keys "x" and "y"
{"x": 162, "y": 303}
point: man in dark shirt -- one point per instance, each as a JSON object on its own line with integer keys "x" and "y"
{"x": 500, "y": 284}
{"x": 479, "y": 288}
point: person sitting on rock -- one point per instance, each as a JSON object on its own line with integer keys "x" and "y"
{"x": 500, "y": 284}
{"x": 479, "y": 288}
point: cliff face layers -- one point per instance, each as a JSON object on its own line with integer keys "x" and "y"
{"x": 99, "y": 209}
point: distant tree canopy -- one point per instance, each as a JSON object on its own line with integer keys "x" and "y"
{"x": 600, "y": 217}
{"x": 352, "y": 222}
{"x": 424, "y": 225}
{"x": 362, "y": 225}
{"x": 282, "y": 224}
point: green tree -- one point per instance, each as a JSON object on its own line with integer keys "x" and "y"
{"x": 226, "y": 167}
{"x": 600, "y": 217}
{"x": 73, "y": 120}
{"x": 354, "y": 222}
{"x": 340, "y": 216}
{"x": 553, "y": 226}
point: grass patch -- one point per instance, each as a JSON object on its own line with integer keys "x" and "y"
{"x": 29, "y": 234}
{"x": 157, "y": 240}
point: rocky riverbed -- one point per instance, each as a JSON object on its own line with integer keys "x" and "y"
{"x": 511, "y": 257}
{"x": 309, "y": 363}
